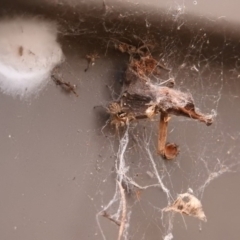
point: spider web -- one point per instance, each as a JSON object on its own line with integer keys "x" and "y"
{"x": 206, "y": 153}
{"x": 136, "y": 184}
{"x": 144, "y": 183}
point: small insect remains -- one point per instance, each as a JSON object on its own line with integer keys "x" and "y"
{"x": 142, "y": 99}
{"x": 91, "y": 58}
{"x": 66, "y": 86}
{"x": 189, "y": 205}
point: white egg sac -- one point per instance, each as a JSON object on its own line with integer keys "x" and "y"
{"x": 28, "y": 52}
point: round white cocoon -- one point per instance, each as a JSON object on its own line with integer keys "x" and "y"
{"x": 28, "y": 52}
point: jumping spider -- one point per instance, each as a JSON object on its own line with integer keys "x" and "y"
{"x": 119, "y": 118}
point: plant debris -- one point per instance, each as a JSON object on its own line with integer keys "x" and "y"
{"x": 142, "y": 99}
{"x": 168, "y": 150}
{"x": 121, "y": 223}
{"x": 106, "y": 215}
{"x": 123, "y": 212}
{"x": 187, "y": 204}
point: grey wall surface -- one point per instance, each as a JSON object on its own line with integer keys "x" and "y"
{"x": 57, "y": 161}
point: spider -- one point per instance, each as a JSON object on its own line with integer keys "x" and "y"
{"x": 119, "y": 117}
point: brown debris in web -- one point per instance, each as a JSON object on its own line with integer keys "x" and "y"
{"x": 66, "y": 86}
{"x": 142, "y": 99}
{"x": 187, "y": 204}
{"x": 146, "y": 63}
{"x": 121, "y": 222}
{"x": 106, "y": 215}
{"x": 168, "y": 150}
